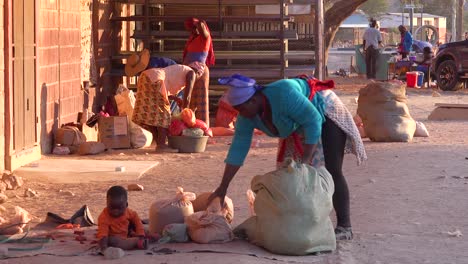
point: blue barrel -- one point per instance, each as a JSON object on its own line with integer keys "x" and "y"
{"x": 420, "y": 78}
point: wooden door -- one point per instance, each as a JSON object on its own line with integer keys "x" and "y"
{"x": 24, "y": 74}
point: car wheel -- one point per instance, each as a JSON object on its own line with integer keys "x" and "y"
{"x": 447, "y": 76}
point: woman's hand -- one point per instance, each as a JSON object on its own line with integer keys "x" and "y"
{"x": 308, "y": 156}
{"x": 219, "y": 192}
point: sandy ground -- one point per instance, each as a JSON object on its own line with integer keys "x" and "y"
{"x": 404, "y": 199}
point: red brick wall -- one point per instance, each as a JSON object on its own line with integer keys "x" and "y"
{"x": 59, "y": 66}
{"x": 2, "y": 88}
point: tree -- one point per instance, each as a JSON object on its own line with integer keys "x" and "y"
{"x": 375, "y": 8}
{"x": 336, "y": 11}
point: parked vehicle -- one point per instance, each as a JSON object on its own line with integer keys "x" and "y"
{"x": 450, "y": 65}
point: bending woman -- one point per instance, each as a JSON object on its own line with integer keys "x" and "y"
{"x": 303, "y": 115}
{"x": 156, "y": 87}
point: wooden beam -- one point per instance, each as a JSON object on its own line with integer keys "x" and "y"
{"x": 319, "y": 43}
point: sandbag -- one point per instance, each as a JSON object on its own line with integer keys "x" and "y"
{"x": 292, "y": 207}
{"x": 384, "y": 113}
{"x": 170, "y": 211}
{"x": 201, "y": 204}
{"x": 209, "y": 226}
{"x": 139, "y": 137}
{"x": 69, "y": 136}
{"x": 91, "y": 148}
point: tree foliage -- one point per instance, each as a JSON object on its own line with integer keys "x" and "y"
{"x": 375, "y": 8}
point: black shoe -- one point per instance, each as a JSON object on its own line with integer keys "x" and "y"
{"x": 83, "y": 217}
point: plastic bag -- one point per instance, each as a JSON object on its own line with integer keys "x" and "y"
{"x": 125, "y": 101}
{"x": 201, "y": 204}
{"x": 139, "y": 137}
{"x": 251, "y": 200}
{"x": 209, "y": 226}
{"x": 170, "y": 211}
{"x": 174, "y": 233}
{"x": 421, "y": 130}
{"x": 17, "y": 223}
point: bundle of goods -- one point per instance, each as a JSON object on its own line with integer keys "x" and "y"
{"x": 187, "y": 133}
{"x": 385, "y": 115}
{"x": 291, "y": 213}
{"x": 184, "y": 217}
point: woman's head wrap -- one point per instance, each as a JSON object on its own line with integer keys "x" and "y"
{"x": 242, "y": 88}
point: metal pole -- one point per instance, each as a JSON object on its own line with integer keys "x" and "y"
{"x": 319, "y": 36}
{"x": 460, "y": 20}
{"x": 411, "y": 19}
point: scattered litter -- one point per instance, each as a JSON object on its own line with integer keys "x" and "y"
{"x": 113, "y": 253}
{"x": 30, "y": 193}
{"x": 66, "y": 193}
{"x": 435, "y": 94}
{"x": 12, "y": 181}
{"x": 372, "y": 181}
{"x": 135, "y": 187}
{"x": 456, "y": 233}
{"x": 122, "y": 154}
{"x": 120, "y": 168}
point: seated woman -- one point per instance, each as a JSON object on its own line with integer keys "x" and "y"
{"x": 156, "y": 87}
{"x": 424, "y": 65}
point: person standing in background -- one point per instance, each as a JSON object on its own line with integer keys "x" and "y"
{"x": 199, "y": 48}
{"x": 371, "y": 41}
{"x": 406, "y": 42}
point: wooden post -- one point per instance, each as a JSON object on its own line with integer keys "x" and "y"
{"x": 319, "y": 36}
{"x": 460, "y": 35}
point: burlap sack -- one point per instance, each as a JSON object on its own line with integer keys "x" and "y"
{"x": 384, "y": 113}
{"x": 201, "y": 204}
{"x": 91, "y": 148}
{"x": 292, "y": 207}
{"x": 170, "y": 211}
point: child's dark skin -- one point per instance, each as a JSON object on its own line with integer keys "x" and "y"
{"x": 117, "y": 207}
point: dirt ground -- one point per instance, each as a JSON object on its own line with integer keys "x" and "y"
{"x": 404, "y": 199}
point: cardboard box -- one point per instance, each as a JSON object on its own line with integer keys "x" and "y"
{"x": 114, "y": 132}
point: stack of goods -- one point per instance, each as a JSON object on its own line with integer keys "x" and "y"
{"x": 174, "y": 220}
{"x": 185, "y": 124}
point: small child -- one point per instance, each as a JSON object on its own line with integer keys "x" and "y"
{"x": 119, "y": 226}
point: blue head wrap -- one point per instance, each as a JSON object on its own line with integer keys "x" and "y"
{"x": 242, "y": 88}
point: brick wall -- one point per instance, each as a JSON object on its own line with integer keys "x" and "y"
{"x": 59, "y": 49}
{"x": 2, "y": 88}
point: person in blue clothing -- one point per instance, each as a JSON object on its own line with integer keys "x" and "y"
{"x": 298, "y": 112}
{"x": 406, "y": 42}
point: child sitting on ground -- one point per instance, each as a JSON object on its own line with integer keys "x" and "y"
{"x": 119, "y": 226}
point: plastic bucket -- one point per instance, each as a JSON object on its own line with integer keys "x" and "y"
{"x": 420, "y": 78}
{"x": 412, "y": 79}
{"x": 187, "y": 144}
